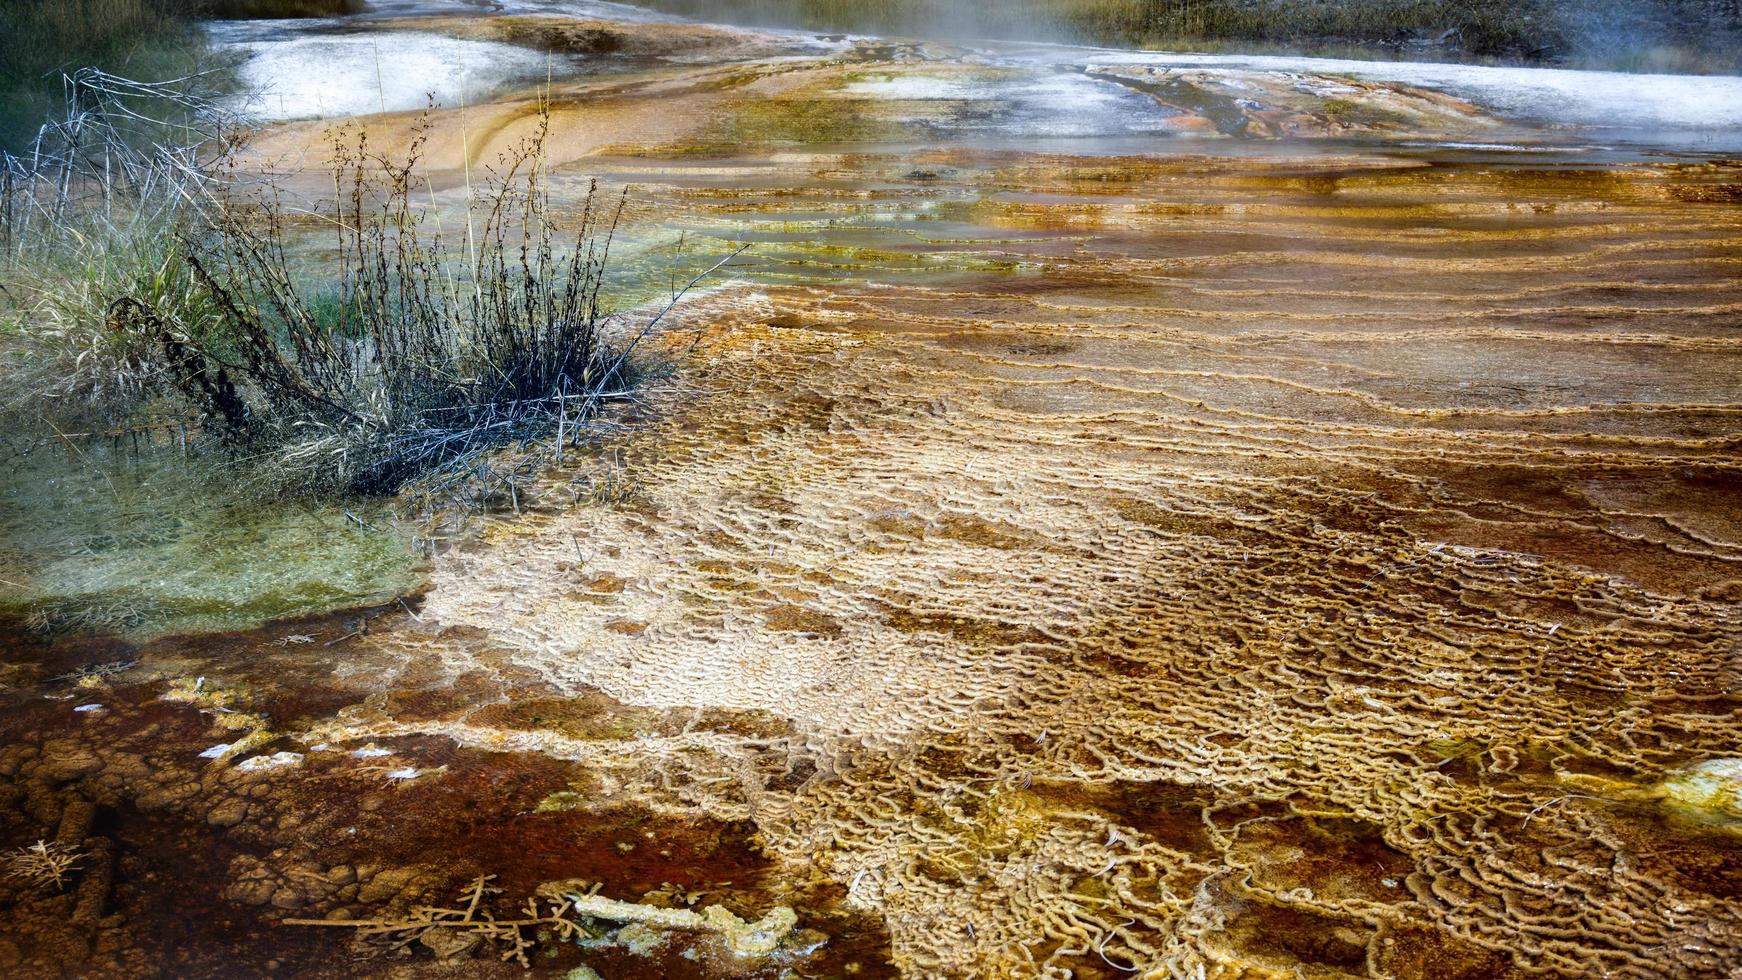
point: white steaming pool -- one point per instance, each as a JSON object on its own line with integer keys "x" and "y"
{"x": 315, "y": 76}
{"x": 1036, "y": 105}
{"x": 306, "y": 69}
{"x": 1672, "y": 110}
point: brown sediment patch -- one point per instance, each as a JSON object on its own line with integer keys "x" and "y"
{"x": 581, "y": 36}
{"x": 211, "y": 857}
{"x": 965, "y": 628}
{"x": 788, "y": 618}
{"x": 1275, "y": 105}
{"x": 1338, "y": 861}
{"x": 589, "y": 714}
{"x": 1408, "y": 952}
{"x": 1709, "y": 194}
{"x": 1300, "y": 942}
{"x": 27, "y": 658}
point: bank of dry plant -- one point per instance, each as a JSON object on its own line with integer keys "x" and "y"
{"x": 143, "y": 290}
{"x": 403, "y": 349}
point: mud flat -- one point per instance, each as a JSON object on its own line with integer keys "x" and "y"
{"x": 1247, "y": 556}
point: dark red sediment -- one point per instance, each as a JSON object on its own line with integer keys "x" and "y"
{"x": 207, "y": 862}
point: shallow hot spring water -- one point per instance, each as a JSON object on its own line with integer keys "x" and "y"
{"x": 126, "y": 540}
{"x": 1289, "y": 542}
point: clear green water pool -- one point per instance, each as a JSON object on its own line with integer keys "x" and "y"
{"x": 140, "y": 543}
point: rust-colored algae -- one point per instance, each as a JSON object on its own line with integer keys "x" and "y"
{"x": 210, "y": 858}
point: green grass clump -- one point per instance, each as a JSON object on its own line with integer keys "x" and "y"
{"x": 61, "y": 355}
{"x": 393, "y": 352}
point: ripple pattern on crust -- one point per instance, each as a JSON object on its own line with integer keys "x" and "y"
{"x": 1301, "y": 586}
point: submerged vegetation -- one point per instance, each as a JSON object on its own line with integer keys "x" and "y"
{"x": 42, "y": 864}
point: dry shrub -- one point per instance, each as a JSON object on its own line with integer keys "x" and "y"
{"x": 400, "y": 351}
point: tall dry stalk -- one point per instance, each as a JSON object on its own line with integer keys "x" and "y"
{"x": 397, "y": 355}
